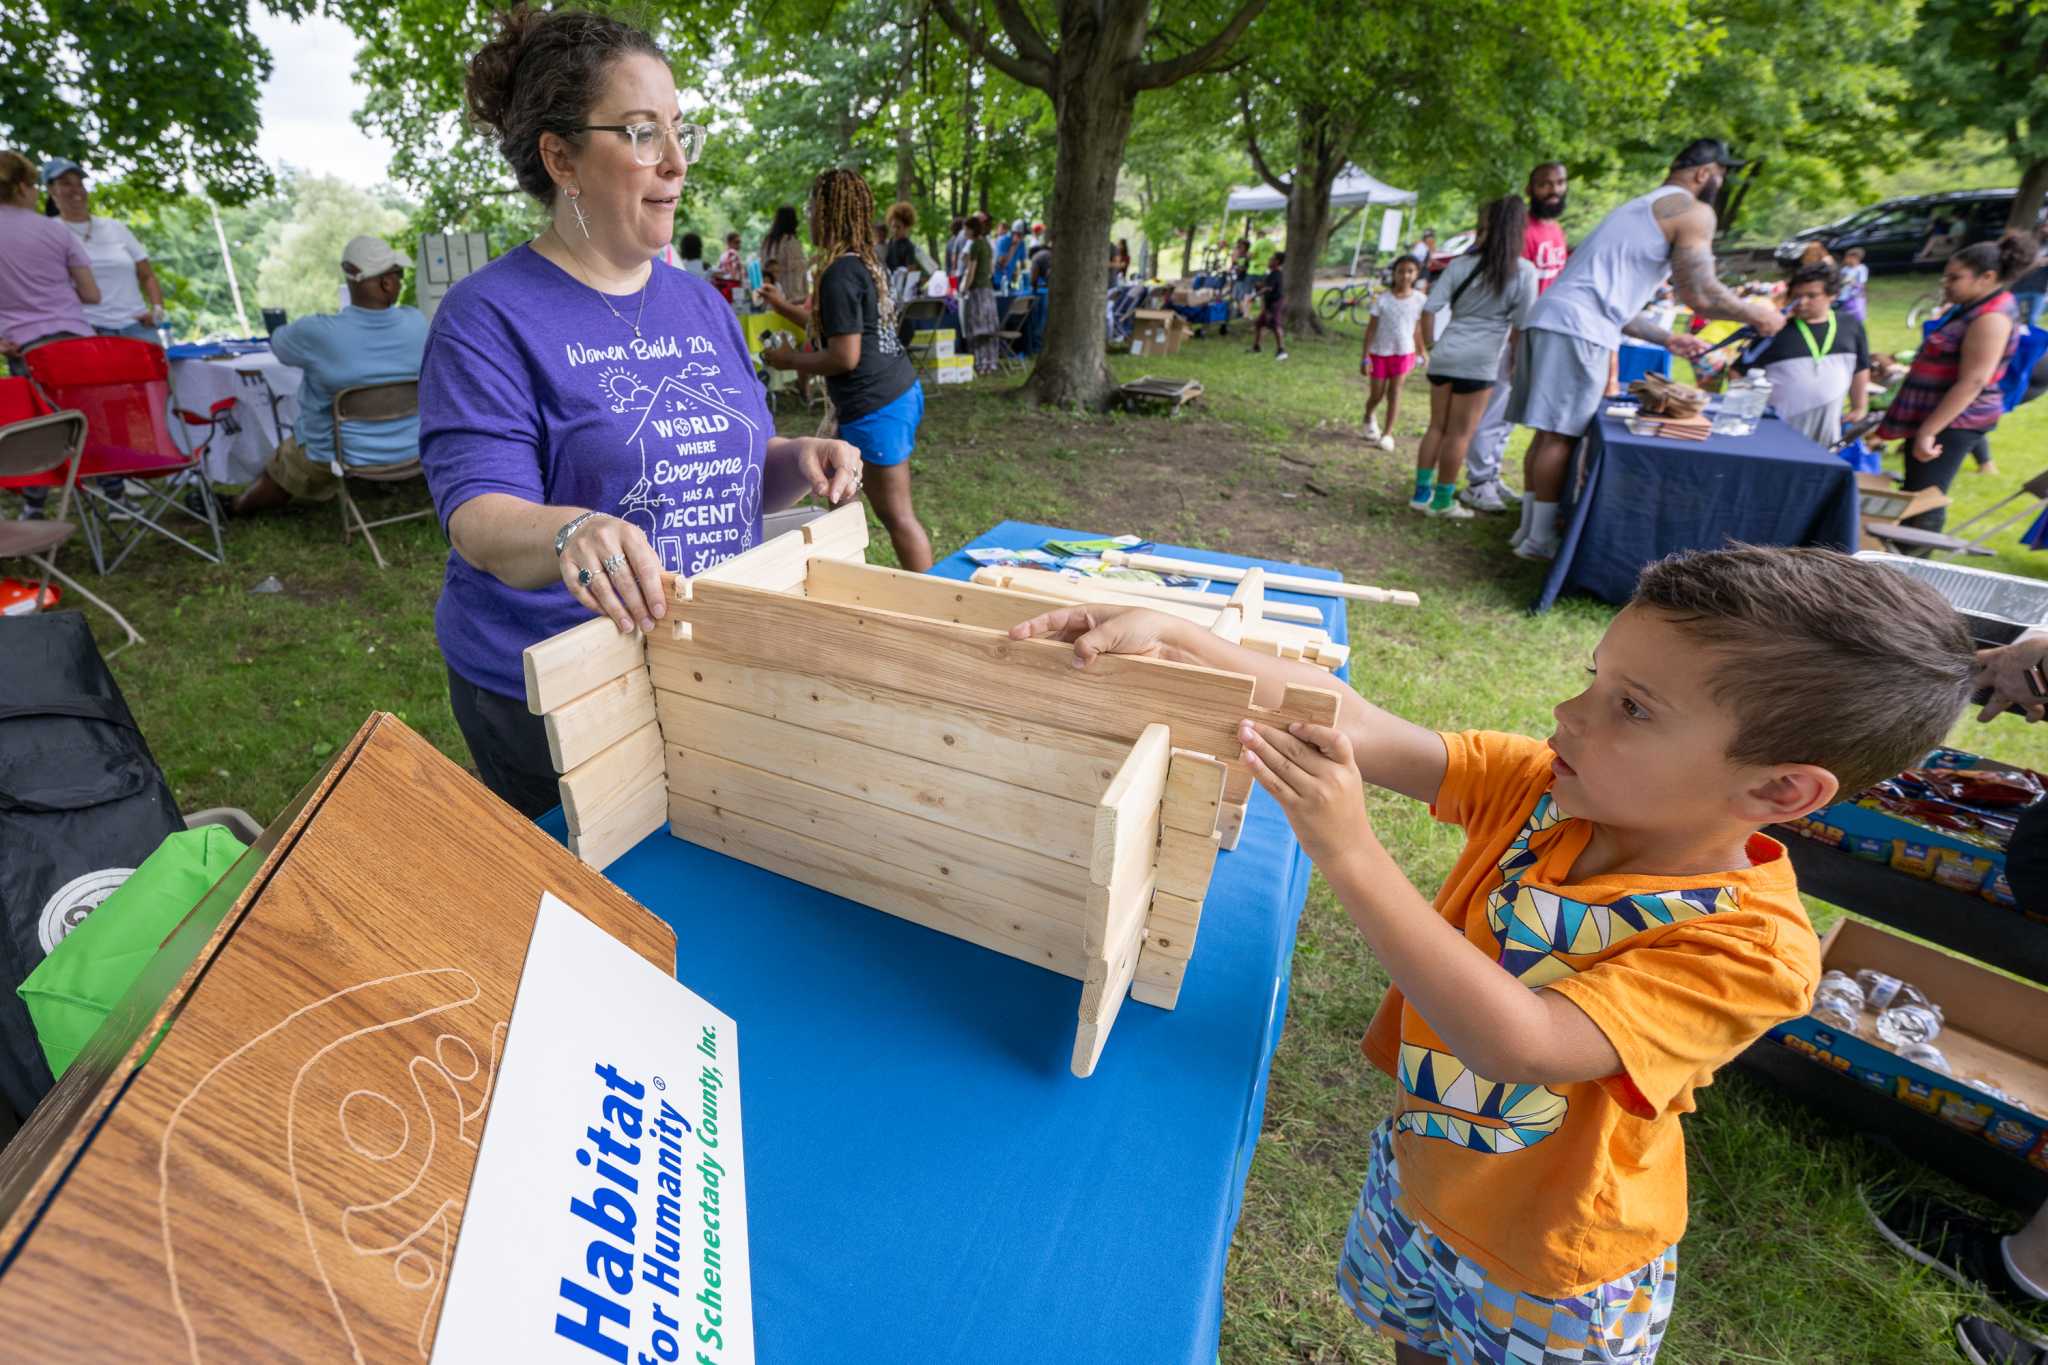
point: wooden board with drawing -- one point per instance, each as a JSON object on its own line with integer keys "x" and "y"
{"x": 879, "y": 735}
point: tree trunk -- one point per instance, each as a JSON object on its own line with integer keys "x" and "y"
{"x": 906, "y": 164}
{"x": 1319, "y": 158}
{"x": 1187, "y": 253}
{"x": 2026, "y": 205}
{"x": 1093, "y": 101}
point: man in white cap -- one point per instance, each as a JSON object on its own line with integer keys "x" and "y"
{"x": 371, "y": 341}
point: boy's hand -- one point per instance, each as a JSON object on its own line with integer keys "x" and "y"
{"x": 1310, "y": 772}
{"x": 1098, "y": 629}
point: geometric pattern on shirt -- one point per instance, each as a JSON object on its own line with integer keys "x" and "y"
{"x": 1536, "y": 929}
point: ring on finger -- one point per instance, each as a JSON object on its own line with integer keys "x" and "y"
{"x": 583, "y": 577}
{"x": 611, "y": 563}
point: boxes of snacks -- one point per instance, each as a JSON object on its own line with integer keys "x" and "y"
{"x": 1947, "y": 821}
{"x": 1942, "y": 1036}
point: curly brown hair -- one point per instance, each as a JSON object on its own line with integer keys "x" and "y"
{"x": 16, "y": 170}
{"x": 542, "y": 73}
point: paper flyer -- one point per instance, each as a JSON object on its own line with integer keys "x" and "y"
{"x": 607, "y": 1218}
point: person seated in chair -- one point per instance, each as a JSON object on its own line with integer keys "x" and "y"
{"x": 371, "y": 341}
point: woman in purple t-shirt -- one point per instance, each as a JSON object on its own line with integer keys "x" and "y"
{"x": 587, "y": 422}
{"x": 45, "y": 275}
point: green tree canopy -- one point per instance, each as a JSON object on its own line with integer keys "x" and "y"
{"x": 1983, "y": 65}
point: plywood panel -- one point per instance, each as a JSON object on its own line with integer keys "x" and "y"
{"x": 1041, "y": 758}
{"x": 967, "y": 801}
{"x": 285, "y": 1178}
{"x": 1016, "y": 931}
{"x": 978, "y": 865}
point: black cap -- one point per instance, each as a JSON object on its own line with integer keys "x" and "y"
{"x": 1705, "y": 151}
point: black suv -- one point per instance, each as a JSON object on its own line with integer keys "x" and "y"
{"x": 1892, "y": 233}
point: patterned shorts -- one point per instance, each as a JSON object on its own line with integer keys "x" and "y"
{"x": 1405, "y": 1281}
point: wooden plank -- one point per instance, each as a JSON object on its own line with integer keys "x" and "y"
{"x": 1040, "y": 758}
{"x": 592, "y": 790}
{"x": 776, "y": 565}
{"x": 967, "y": 801}
{"x": 1172, "y": 924}
{"x": 1111, "y": 909}
{"x": 841, "y": 533}
{"x": 975, "y": 863}
{"x": 582, "y": 658}
{"x": 1158, "y": 979}
{"x": 1015, "y": 931}
{"x": 1194, "y": 792}
{"x": 633, "y": 819}
{"x": 1126, "y": 827}
{"x": 916, "y": 594}
{"x": 1186, "y": 862}
{"x": 1278, "y": 582}
{"x": 1237, "y": 786}
{"x": 1230, "y": 824}
{"x": 1228, "y": 625}
{"x": 1206, "y": 615}
{"x": 599, "y": 718}
{"x": 1250, "y": 596}
{"x": 1102, "y": 997}
{"x": 1116, "y": 697}
{"x": 1040, "y": 580}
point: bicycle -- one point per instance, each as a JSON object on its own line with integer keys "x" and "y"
{"x": 1347, "y": 300}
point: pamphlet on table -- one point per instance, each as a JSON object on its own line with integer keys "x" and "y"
{"x": 607, "y": 1219}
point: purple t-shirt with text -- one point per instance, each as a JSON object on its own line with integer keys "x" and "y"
{"x": 531, "y": 386}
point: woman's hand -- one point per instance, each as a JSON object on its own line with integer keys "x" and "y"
{"x": 1923, "y": 448}
{"x": 1096, "y": 629}
{"x": 831, "y": 469}
{"x": 1310, "y": 771}
{"x": 610, "y": 568}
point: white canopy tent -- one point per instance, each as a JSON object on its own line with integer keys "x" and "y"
{"x": 1352, "y": 187}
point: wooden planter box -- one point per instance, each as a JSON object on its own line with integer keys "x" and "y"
{"x": 878, "y": 735}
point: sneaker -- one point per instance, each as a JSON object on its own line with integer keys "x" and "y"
{"x": 1372, "y": 433}
{"x": 1454, "y": 512}
{"x": 1984, "y": 1342}
{"x": 1420, "y": 502}
{"x": 1950, "y": 1240}
{"x": 1483, "y": 497}
{"x": 1532, "y": 548}
{"x": 1279, "y": 355}
{"x": 1386, "y": 442}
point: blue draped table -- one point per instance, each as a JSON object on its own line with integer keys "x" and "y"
{"x": 1643, "y": 497}
{"x": 926, "y": 1180}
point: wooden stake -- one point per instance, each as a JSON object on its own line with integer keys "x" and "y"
{"x": 1321, "y": 587}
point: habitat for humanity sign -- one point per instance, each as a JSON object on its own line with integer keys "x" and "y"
{"x": 607, "y": 1219}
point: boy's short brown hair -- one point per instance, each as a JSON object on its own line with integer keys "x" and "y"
{"x": 1822, "y": 657}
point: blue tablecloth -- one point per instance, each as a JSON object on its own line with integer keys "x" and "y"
{"x": 926, "y": 1180}
{"x": 1034, "y": 326}
{"x": 1643, "y": 497}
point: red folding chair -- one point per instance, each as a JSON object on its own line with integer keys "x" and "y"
{"x": 124, "y": 389}
{"x": 40, "y": 449}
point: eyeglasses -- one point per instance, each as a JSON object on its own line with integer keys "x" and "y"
{"x": 650, "y": 140}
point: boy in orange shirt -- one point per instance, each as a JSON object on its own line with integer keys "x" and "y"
{"x": 1616, "y": 929}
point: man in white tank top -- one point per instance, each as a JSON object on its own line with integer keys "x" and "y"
{"x": 1561, "y": 366}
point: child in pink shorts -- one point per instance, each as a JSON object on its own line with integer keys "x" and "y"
{"x": 1393, "y": 343}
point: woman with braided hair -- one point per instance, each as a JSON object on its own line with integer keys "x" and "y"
{"x": 851, "y": 325}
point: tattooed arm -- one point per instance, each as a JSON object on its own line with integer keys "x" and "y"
{"x": 1691, "y": 230}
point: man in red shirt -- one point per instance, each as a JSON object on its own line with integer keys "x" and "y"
{"x": 1544, "y": 246}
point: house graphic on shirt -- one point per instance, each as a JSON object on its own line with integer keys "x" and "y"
{"x": 641, "y": 502}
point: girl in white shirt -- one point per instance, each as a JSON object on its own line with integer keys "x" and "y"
{"x": 1393, "y": 343}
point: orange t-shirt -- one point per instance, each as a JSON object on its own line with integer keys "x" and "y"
{"x": 1556, "y": 1189}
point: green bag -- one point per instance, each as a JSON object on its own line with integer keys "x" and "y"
{"x": 92, "y": 967}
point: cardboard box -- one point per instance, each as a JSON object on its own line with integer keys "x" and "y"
{"x": 957, "y": 369}
{"x": 1990, "y": 1031}
{"x": 328, "y": 1069}
{"x": 1158, "y": 331}
{"x": 1884, "y": 503}
{"x": 1878, "y": 836}
{"x": 937, "y": 342}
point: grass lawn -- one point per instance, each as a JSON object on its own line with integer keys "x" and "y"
{"x": 243, "y": 696}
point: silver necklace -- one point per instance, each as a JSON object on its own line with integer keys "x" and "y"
{"x": 605, "y": 299}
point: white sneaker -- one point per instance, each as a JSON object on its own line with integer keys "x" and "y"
{"x": 1386, "y": 443}
{"x": 1420, "y": 502}
{"x": 1483, "y": 497}
{"x": 1372, "y": 432}
{"x": 1454, "y": 512}
{"x": 1280, "y": 355}
{"x": 1532, "y": 548}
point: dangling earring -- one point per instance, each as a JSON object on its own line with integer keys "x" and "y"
{"x": 577, "y": 209}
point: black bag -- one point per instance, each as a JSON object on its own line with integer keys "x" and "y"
{"x": 82, "y": 803}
